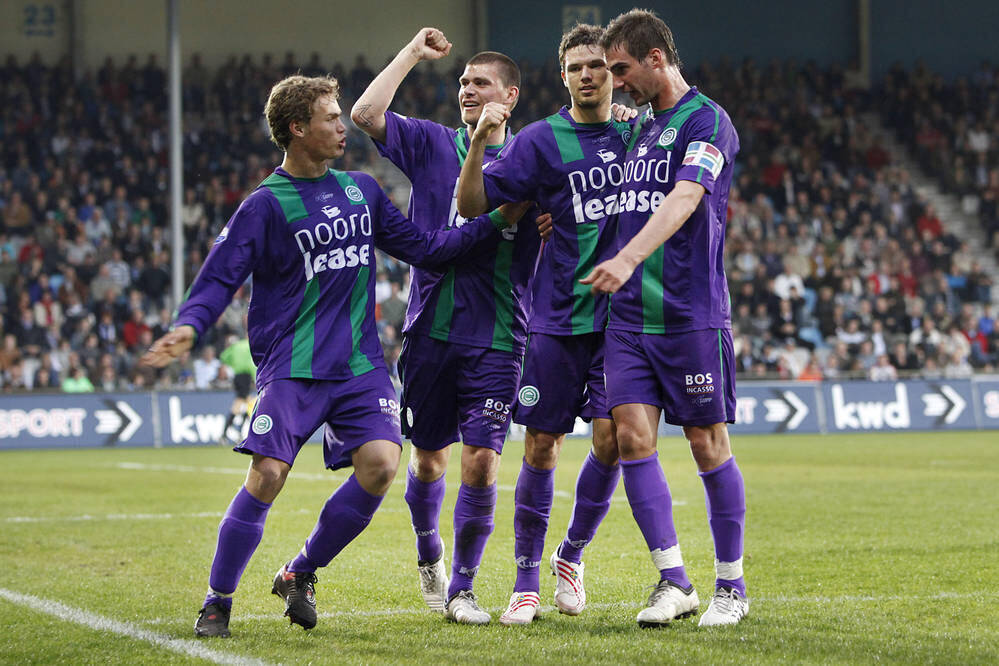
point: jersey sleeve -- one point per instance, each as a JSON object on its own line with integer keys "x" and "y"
{"x": 406, "y": 141}
{"x": 236, "y": 252}
{"x": 396, "y": 235}
{"x": 710, "y": 144}
{"x": 517, "y": 173}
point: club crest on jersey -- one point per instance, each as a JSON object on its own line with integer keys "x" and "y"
{"x": 607, "y": 155}
{"x": 354, "y": 193}
{"x": 529, "y": 395}
{"x": 262, "y": 424}
{"x": 626, "y": 137}
{"x": 667, "y": 138}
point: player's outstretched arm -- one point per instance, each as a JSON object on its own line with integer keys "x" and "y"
{"x": 170, "y": 346}
{"x": 369, "y": 110}
{"x": 609, "y": 276}
{"x": 472, "y": 200}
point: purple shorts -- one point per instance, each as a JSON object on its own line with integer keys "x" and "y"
{"x": 355, "y": 411}
{"x": 689, "y": 375}
{"x": 563, "y": 378}
{"x": 450, "y": 389}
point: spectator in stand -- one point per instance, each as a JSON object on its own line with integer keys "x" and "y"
{"x": 883, "y": 370}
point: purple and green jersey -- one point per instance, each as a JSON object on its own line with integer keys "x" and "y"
{"x": 308, "y": 244}
{"x": 481, "y": 300}
{"x": 681, "y": 286}
{"x": 573, "y": 171}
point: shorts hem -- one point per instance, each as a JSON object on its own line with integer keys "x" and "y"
{"x": 249, "y": 452}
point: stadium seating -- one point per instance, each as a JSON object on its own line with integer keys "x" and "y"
{"x": 837, "y": 266}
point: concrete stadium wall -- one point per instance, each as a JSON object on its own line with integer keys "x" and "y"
{"x": 703, "y": 31}
{"x": 338, "y": 31}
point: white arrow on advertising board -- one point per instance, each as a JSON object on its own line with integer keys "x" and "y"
{"x": 788, "y": 410}
{"x": 947, "y": 404}
{"x": 120, "y": 423}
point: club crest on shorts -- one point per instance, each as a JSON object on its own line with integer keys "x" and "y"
{"x": 529, "y": 395}
{"x": 409, "y": 417}
{"x": 262, "y": 424}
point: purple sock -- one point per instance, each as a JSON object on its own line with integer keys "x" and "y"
{"x": 725, "y": 495}
{"x": 473, "y": 523}
{"x": 239, "y": 533}
{"x": 425, "y": 500}
{"x": 347, "y": 512}
{"x": 652, "y": 507}
{"x": 594, "y": 488}
{"x": 532, "y": 507}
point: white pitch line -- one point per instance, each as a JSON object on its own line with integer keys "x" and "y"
{"x": 781, "y": 599}
{"x": 239, "y": 471}
{"x": 100, "y": 623}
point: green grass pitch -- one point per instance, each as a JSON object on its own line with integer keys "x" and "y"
{"x": 859, "y": 548}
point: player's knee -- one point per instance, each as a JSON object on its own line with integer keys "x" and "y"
{"x": 634, "y": 442}
{"x": 266, "y": 478}
{"x": 479, "y": 466}
{"x": 708, "y": 445}
{"x": 605, "y": 447}
{"x": 376, "y": 473}
{"x": 428, "y": 465}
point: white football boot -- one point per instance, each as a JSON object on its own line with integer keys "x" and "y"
{"x": 464, "y": 609}
{"x": 570, "y": 596}
{"x": 523, "y": 608}
{"x": 727, "y": 607}
{"x": 434, "y": 582}
{"x": 666, "y": 603}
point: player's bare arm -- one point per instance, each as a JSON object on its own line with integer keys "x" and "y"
{"x": 472, "y": 200}
{"x": 610, "y": 275}
{"x": 369, "y": 110}
{"x": 170, "y": 346}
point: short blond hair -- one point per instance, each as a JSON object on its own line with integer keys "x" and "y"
{"x": 292, "y": 99}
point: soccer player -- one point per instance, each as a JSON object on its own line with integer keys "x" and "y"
{"x": 238, "y": 357}
{"x": 571, "y": 164}
{"x": 669, "y": 338}
{"x": 306, "y": 236}
{"x": 465, "y": 328}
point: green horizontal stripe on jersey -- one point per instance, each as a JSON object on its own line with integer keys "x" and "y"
{"x": 287, "y": 196}
{"x": 503, "y": 297}
{"x": 344, "y": 180}
{"x": 359, "y": 363}
{"x": 652, "y": 292}
{"x": 565, "y": 138}
{"x": 304, "y": 339}
{"x": 583, "y": 301}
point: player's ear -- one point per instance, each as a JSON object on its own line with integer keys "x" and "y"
{"x": 297, "y": 128}
{"x": 512, "y": 97}
{"x": 655, "y": 58}
{"x": 564, "y": 81}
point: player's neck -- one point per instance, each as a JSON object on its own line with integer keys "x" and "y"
{"x": 591, "y": 115}
{"x": 673, "y": 90}
{"x": 299, "y": 165}
{"x": 496, "y": 138}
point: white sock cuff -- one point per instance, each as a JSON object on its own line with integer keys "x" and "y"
{"x": 220, "y": 595}
{"x": 728, "y": 570}
{"x": 667, "y": 559}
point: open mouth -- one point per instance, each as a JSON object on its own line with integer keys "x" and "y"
{"x": 468, "y": 104}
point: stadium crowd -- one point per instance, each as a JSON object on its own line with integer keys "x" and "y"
{"x": 837, "y": 268}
